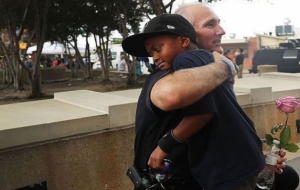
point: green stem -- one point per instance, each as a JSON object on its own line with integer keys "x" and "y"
{"x": 286, "y": 121}
{"x": 285, "y": 125}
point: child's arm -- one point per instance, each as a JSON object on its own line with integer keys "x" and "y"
{"x": 190, "y": 125}
{"x": 186, "y": 128}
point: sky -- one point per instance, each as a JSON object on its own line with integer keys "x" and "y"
{"x": 245, "y": 18}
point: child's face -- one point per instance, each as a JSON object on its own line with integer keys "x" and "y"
{"x": 164, "y": 49}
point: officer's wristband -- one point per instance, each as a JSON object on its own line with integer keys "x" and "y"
{"x": 229, "y": 66}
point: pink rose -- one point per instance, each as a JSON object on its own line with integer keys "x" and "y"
{"x": 287, "y": 104}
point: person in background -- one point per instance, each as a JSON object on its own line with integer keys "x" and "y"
{"x": 138, "y": 67}
{"x": 69, "y": 61}
{"x": 73, "y": 66}
{"x": 34, "y": 60}
{"x": 239, "y": 60}
{"x": 55, "y": 62}
{"x": 65, "y": 60}
{"x": 229, "y": 56}
{"x": 122, "y": 64}
{"x": 62, "y": 62}
{"x": 146, "y": 61}
{"x": 109, "y": 60}
{"x": 28, "y": 61}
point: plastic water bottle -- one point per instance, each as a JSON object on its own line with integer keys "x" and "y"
{"x": 267, "y": 175}
{"x": 164, "y": 174}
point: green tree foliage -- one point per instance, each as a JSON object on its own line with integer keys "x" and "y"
{"x": 30, "y": 18}
{"x": 63, "y": 21}
{"x": 97, "y": 18}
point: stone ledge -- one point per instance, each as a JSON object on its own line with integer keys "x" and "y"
{"x": 256, "y": 95}
{"x": 280, "y": 86}
{"x": 69, "y": 113}
{"x": 285, "y": 76}
{"x": 134, "y": 93}
{"x": 266, "y": 68}
{"x": 78, "y": 112}
{"x": 32, "y": 122}
{"x": 243, "y": 98}
{"x": 120, "y": 110}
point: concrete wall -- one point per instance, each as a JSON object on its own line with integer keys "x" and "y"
{"x": 84, "y": 139}
{"x": 86, "y": 162}
{"x": 61, "y": 73}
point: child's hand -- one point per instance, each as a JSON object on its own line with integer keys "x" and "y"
{"x": 218, "y": 56}
{"x": 156, "y": 158}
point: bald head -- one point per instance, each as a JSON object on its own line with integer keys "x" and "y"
{"x": 206, "y": 23}
{"x": 188, "y": 11}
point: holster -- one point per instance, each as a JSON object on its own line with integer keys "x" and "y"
{"x": 140, "y": 182}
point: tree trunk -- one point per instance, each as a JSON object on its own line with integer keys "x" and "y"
{"x": 41, "y": 28}
{"x": 80, "y": 63}
{"x": 131, "y": 72}
{"x": 36, "y": 90}
{"x": 88, "y": 65}
{"x": 105, "y": 65}
{"x": 18, "y": 86}
{"x": 157, "y": 7}
{"x": 131, "y": 66}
